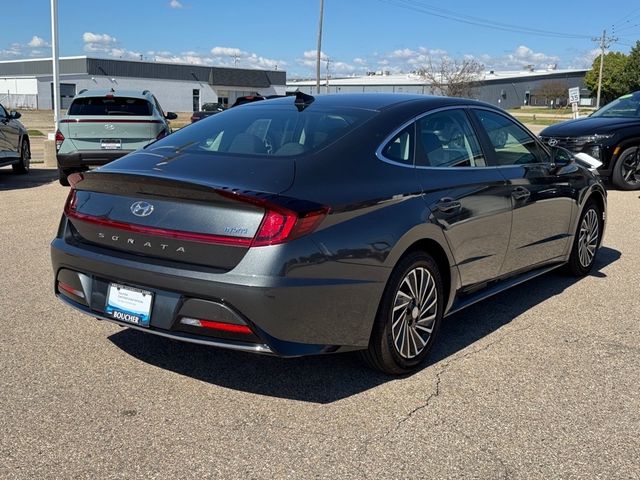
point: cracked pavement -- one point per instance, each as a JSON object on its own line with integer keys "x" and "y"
{"x": 539, "y": 382}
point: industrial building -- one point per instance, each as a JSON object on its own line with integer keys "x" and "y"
{"x": 178, "y": 87}
{"x": 506, "y": 89}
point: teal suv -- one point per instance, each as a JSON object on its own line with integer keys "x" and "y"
{"x": 103, "y": 125}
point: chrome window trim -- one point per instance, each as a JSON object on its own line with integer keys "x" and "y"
{"x": 390, "y": 137}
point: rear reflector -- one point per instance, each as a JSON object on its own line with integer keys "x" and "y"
{"x": 221, "y": 326}
{"x": 69, "y": 289}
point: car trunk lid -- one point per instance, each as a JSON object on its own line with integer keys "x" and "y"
{"x": 191, "y": 214}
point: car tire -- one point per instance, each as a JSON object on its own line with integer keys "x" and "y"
{"x": 408, "y": 317}
{"x": 63, "y": 176}
{"x": 586, "y": 241}
{"x": 626, "y": 171}
{"x": 23, "y": 166}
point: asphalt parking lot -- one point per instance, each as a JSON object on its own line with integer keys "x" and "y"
{"x": 542, "y": 382}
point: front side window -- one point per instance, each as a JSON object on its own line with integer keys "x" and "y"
{"x": 512, "y": 144}
{"x": 446, "y": 139}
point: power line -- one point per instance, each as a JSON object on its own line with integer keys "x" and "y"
{"x": 477, "y": 21}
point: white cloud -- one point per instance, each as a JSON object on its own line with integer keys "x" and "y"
{"x": 228, "y": 51}
{"x": 37, "y": 42}
{"x": 31, "y": 49}
{"x": 176, "y": 4}
{"x": 98, "y": 38}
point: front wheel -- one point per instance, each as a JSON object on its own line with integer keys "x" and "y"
{"x": 408, "y": 317}
{"x": 586, "y": 241}
{"x": 626, "y": 171}
{"x": 24, "y": 164}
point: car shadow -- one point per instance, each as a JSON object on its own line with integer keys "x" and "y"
{"x": 36, "y": 177}
{"x": 326, "y": 379}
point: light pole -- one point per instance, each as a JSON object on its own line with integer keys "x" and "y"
{"x": 319, "y": 49}
{"x": 56, "y": 63}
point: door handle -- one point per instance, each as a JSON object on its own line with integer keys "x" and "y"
{"x": 520, "y": 193}
{"x": 448, "y": 205}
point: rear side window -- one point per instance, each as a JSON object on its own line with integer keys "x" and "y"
{"x": 110, "y": 106}
{"x": 511, "y": 143}
{"x": 400, "y": 148}
{"x": 267, "y": 130}
{"x": 446, "y": 139}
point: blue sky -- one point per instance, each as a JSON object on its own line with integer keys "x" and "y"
{"x": 359, "y": 35}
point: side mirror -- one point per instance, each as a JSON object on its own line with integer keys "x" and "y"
{"x": 15, "y": 115}
{"x": 170, "y": 116}
{"x": 562, "y": 161}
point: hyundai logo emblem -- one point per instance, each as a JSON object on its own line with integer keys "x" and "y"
{"x": 552, "y": 142}
{"x": 141, "y": 209}
{"x": 110, "y": 126}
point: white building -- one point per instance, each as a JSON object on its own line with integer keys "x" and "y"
{"x": 178, "y": 87}
{"x": 506, "y": 89}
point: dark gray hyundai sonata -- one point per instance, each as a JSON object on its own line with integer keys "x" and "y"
{"x": 301, "y": 225}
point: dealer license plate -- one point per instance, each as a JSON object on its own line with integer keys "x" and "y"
{"x": 128, "y": 304}
{"x": 111, "y": 144}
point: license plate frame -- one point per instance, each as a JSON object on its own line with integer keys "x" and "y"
{"x": 111, "y": 144}
{"x": 129, "y": 304}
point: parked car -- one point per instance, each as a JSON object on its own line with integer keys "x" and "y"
{"x": 103, "y": 125}
{"x": 15, "y": 148}
{"x": 611, "y": 135}
{"x": 304, "y": 225}
{"x": 248, "y": 99}
{"x": 208, "y": 109}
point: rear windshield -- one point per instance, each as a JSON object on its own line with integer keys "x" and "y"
{"x": 267, "y": 130}
{"x": 110, "y": 106}
{"x": 625, "y": 106}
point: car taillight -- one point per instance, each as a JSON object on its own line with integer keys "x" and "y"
{"x": 281, "y": 225}
{"x": 194, "y": 118}
{"x": 59, "y": 140}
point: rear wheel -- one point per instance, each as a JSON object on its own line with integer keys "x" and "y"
{"x": 586, "y": 241}
{"x": 24, "y": 164}
{"x": 408, "y": 317}
{"x": 626, "y": 172}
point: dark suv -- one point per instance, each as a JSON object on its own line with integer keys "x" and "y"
{"x": 611, "y": 135}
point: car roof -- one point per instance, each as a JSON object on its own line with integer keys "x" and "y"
{"x": 145, "y": 94}
{"x": 380, "y": 101}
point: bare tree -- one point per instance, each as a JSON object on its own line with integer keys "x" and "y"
{"x": 555, "y": 91}
{"x": 452, "y": 77}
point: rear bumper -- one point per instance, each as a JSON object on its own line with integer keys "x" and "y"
{"x": 85, "y": 158}
{"x": 289, "y": 316}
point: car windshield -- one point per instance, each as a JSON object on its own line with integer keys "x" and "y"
{"x": 110, "y": 106}
{"x": 625, "y": 106}
{"x": 267, "y": 130}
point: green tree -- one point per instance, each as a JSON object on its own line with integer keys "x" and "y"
{"x": 632, "y": 69}
{"x": 614, "y": 78}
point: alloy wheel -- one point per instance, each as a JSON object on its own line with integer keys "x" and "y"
{"x": 414, "y": 312}
{"x": 631, "y": 168}
{"x": 588, "y": 239}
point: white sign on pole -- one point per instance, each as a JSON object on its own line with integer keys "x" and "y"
{"x": 574, "y": 95}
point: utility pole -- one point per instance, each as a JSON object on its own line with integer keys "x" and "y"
{"x": 604, "y": 43}
{"x": 55, "y": 60}
{"x": 327, "y": 73}
{"x": 319, "y": 50}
